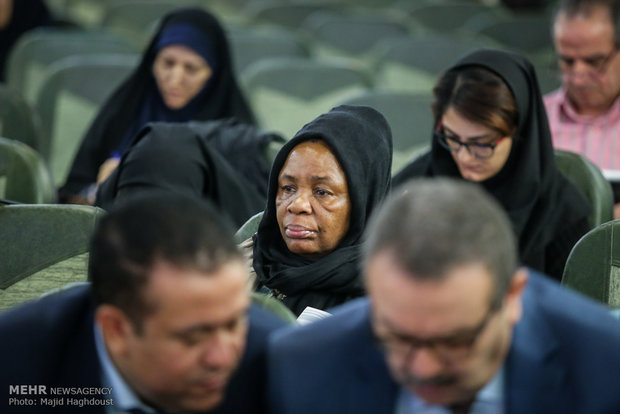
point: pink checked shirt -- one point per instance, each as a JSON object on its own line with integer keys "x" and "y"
{"x": 596, "y": 138}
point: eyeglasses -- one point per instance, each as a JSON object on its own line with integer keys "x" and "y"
{"x": 446, "y": 349}
{"x": 453, "y": 144}
{"x": 597, "y": 64}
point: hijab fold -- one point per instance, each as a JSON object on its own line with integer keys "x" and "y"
{"x": 361, "y": 140}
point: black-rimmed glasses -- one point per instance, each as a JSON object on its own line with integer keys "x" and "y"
{"x": 453, "y": 144}
{"x": 446, "y": 349}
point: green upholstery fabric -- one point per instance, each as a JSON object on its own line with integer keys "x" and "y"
{"x": 17, "y": 120}
{"x": 409, "y": 115}
{"x": 280, "y": 14}
{"x": 71, "y": 270}
{"x": 36, "y": 236}
{"x": 413, "y": 63}
{"x": 589, "y": 179}
{"x": 24, "y": 175}
{"x": 593, "y": 266}
{"x": 286, "y": 93}
{"x": 251, "y": 45}
{"x": 249, "y": 228}
{"x": 275, "y": 306}
{"x": 69, "y": 100}
{"x": 37, "y": 49}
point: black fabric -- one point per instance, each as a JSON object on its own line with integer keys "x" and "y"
{"x": 543, "y": 206}
{"x": 26, "y": 15}
{"x": 219, "y": 160}
{"x": 138, "y": 98}
{"x": 361, "y": 140}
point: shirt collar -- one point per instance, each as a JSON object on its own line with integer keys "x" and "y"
{"x": 568, "y": 110}
{"x": 124, "y": 397}
{"x": 491, "y": 395}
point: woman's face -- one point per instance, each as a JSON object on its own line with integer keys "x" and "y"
{"x": 313, "y": 207}
{"x": 180, "y": 74}
{"x": 470, "y": 167}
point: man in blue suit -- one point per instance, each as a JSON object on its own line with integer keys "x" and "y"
{"x": 165, "y": 325}
{"x": 451, "y": 325}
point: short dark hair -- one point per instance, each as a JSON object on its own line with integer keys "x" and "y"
{"x": 479, "y": 95}
{"x": 572, "y": 8}
{"x": 151, "y": 228}
{"x": 432, "y": 225}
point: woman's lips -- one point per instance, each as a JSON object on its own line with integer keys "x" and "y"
{"x": 297, "y": 232}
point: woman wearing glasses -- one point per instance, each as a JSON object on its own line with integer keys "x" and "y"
{"x": 491, "y": 128}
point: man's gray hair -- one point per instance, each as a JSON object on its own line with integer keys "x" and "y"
{"x": 433, "y": 225}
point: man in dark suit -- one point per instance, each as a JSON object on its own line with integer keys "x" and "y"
{"x": 165, "y": 325}
{"x": 451, "y": 325}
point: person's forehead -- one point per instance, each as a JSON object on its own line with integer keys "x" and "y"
{"x": 195, "y": 296}
{"x": 459, "y": 299}
{"x": 593, "y": 26}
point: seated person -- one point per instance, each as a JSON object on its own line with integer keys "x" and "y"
{"x": 185, "y": 74}
{"x": 324, "y": 184}
{"x": 218, "y": 160}
{"x": 451, "y": 324}
{"x": 165, "y": 324}
{"x": 491, "y": 128}
{"x": 584, "y": 113}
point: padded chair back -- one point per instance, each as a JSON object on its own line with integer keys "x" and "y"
{"x": 17, "y": 120}
{"x": 37, "y": 49}
{"x": 413, "y": 64}
{"x": 72, "y": 93}
{"x": 409, "y": 115}
{"x": 351, "y": 36}
{"x": 249, "y": 228}
{"x": 286, "y": 93}
{"x": 285, "y": 15}
{"x": 441, "y": 17}
{"x": 588, "y": 178}
{"x": 249, "y": 46}
{"x": 42, "y": 246}
{"x": 274, "y": 306}
{"x": 133, "y": 20}
{"x": 593, "y": 266}
{"x": 24, "y": 176}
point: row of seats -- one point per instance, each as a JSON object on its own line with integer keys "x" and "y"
{"x": 60, "y": 234}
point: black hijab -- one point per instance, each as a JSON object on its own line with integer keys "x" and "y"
{"x": 218, "y": 160}
{"x": 137, "y": 100}
{"x": 538, "y": 198}
{"x": 361, "y": 140}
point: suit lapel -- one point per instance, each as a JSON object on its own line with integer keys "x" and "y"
{"x": 535, "y": 374}
{"x": 371, "y": 390}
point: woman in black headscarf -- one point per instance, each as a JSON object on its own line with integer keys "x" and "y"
{"x": 491, "y": 127}
{"x": 185, "y": 74}
{"x": 324, "y": 184}
{"x": 220, "y": 160}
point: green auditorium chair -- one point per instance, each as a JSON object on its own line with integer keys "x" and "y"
{"x": 285, "y": 15}
{"x": 251, "y": 45}
{"x": 413, "y": 63}
{"x": 409, "y": 115}
{"x": 593, "y": 266}
{"x": 273, "y": 305}
{"x": 286, "y": 93}
{"x": 249, "y": 228}
{"x": 37, "y": 49}
{"x": 350, "y": 36}
{"x": 589, "y": 179}
{"x": 17, "y": 120}
{"x": 42, "y": 247}
{"x": 24, "y": 176}
{"x": 441, "y": 17}
{"x": 71, "y": 94}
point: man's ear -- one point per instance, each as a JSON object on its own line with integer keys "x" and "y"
{"x": 116, "y": 328}
{"x": 514, "y": 296}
